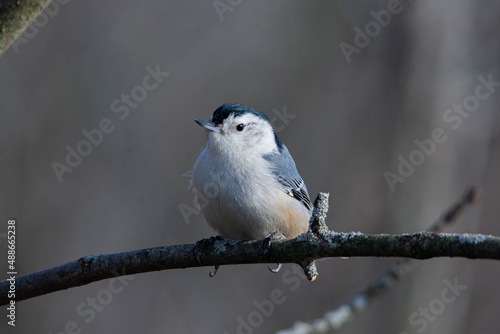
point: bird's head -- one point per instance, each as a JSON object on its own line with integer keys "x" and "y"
{"x": 240, "y": 129}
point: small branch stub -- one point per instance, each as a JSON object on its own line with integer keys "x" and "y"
{"x": 318, "y": 228}
{"x": 310, "y": 270}
{"x": 317, "y": 223}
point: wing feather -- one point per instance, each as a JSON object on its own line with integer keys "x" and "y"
{"x": 286, "y": 174}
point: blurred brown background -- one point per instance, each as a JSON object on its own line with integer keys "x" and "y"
{"x": 352, "y": 122}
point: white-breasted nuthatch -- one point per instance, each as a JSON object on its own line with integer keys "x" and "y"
{"x": 245, "y": 180}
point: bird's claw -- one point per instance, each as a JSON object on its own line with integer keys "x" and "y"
{"x": 267, "y": 244}
{"x": 212, "y": 274}
{"x": 275, "y": 270}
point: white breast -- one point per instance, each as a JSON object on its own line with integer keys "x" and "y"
{"x": 241, "y": 199}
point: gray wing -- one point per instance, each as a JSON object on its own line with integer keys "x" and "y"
{"x": 287, "y": 175}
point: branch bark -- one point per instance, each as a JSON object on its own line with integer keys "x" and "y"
{"x": 315, "y": 244}
{"x": 15, "y": 17}
{"x": 342, "y": 314}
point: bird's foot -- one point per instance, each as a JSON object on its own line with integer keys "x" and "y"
{"x": 201, "y": 246}
{"x": 267, "y": 245}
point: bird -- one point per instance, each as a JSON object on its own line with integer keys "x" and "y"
{"x": 245, "y": 181}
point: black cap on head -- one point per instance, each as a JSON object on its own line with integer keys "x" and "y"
{"x": 235, "y": 109}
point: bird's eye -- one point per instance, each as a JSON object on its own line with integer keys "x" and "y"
{"x": 240, "y": 127}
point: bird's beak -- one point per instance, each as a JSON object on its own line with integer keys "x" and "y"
{"x": 207, "y": 125}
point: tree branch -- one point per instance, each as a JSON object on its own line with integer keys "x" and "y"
{"x": 15, "y": 17}
{"x": 303, "y": 250}
{"x": 336, "y": 318}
